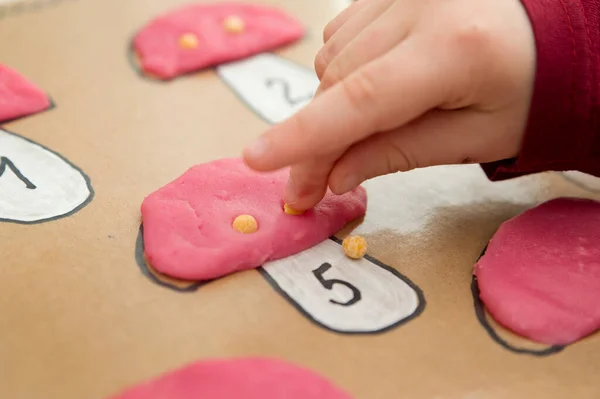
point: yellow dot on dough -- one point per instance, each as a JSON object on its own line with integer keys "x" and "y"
{"x": 234, "y": 24}
{"x": 355, "y": 247}
{"x": 189, "y": 40}
{"x": 245, "y": 224}
{"x": 291, "y": 211}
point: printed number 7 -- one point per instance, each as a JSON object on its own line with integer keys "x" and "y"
{"x": 7, "y": 163}
{"x": 329, "y": 283}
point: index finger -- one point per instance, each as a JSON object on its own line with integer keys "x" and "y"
{"x": 384, "y": 94}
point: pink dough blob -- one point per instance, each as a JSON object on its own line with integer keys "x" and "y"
{"x": 253, "y": 378}
{"x": 188, "y": 230}
{"x": 540, "y": 275}
{"x": 160, "y": 54}
{"x": 18, "y": 96}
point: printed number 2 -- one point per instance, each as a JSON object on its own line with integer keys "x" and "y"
{"x": 286, "y": 91}
{"x": 329, "y": 283}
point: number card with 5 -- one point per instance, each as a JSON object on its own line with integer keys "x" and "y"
{"x": 343, "y": 294}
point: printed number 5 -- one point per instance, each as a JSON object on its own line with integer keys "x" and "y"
{"x": 329, "y": 283}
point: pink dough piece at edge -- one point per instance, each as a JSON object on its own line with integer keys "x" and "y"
{"x": 18, "y": 96}
{"x": 251, "y": 378}
{"x": 188, "y": 230}
{"x": 160, "y": 54}
{"x": 540, "y": 275}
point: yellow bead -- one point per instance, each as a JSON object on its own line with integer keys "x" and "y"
{"x": 291, "y": 211}
{"x": 234, "y": 24}
{"x": 355, "y": 247}
{"x": 189, "y": 40}
{"x": 245, "y": 224}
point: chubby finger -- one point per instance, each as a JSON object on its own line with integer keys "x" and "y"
{"x": 373, "y": 41}
{"x": 307, "y": 183}
{"x": 348, "y": 31}
{"x": 364, "y": 103}
{"x": 438, "y": 138}
{"x": 342, "y": 18}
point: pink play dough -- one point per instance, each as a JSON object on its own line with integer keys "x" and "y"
{"x": 253, "y": 378}
{"x": 188, "y": 230}
{"x": 18, "y": 96}
{"x": 157, "y": 44}
{"x": 540, "y": 275}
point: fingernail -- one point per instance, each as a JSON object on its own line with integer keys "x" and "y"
{"x": 348, "y": 183}
{"x": 290, "y": 192}
{"x": 258, "y": 148}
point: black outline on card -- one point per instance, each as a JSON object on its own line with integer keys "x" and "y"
{"x": 480, "y": 313}
{"x": 30, "y": 115}
{"x": 140, "y": 260}
{"x": 14, "y": 9}
{"x": 243, "y": 100}
{"x": 88, "y": 183}
{"x": 418, "y": 311}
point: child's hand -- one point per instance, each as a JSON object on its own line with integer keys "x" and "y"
{"x": 407, "y": 84}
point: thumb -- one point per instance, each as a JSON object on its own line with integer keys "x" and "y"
{"x": 437, "y": 138}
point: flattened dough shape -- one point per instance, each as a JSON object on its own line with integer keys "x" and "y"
{"x": 18, "y": 96}
{"x": 188, "y": 230}
{"x": 540, "y": 275}
{"x": 252, "y": 378}
{"x": 198, "y": 36}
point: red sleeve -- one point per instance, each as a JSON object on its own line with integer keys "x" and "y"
{"x": 563, "y": 130}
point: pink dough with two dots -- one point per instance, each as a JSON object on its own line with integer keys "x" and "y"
{"x": 540, "y": 275}
{"x": 160, "y": 54}
{"x": 18, "y": 96}
{"x": 188, "y": 230}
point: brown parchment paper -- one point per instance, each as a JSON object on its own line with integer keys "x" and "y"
{"x": 79, "y": 320}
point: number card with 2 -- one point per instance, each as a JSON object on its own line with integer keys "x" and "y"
{"x": 275, "y": 88}
{"x": 342, "y": 294}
